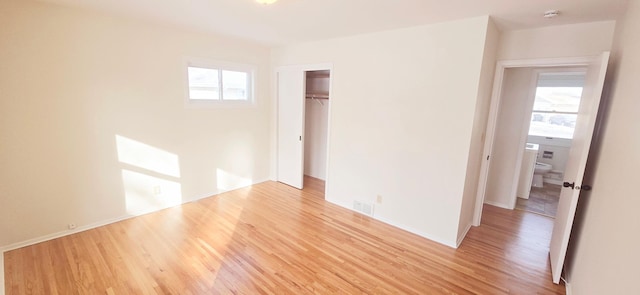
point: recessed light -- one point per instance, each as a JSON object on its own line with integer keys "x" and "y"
{"x": 551, "y": 13}
{"x": 266, "y": 2}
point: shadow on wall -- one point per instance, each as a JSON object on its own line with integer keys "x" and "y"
{"x": 152, "y": 180}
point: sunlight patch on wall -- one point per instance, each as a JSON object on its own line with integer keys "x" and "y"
{"x": 227, "y": 181}
{"x": 147, "y": 157}
{"x": 149, "y": 177}
{"x": 144, "y": 193}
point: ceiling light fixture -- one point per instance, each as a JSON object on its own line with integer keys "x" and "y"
{"x": 266, "y": 2}
{"x": 551, "y": 13}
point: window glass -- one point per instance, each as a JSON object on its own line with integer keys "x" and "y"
{"x": 557, "y": 99}
{"x": 555, "y": 111}
{"x": 223, "y": 83}
{"x": 203, "y": 84}
{"x": 234, "y": 85}
{"x": 552, "y": 125}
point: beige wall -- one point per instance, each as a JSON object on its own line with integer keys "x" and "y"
{"x": 481, "y": 117}
{"x": 516, "y": 100}
{"x": 584, "y": 39}
{"x": 73, "y": 80}
{"x": 606, "y": 242}
{"x": 402, "y": 112}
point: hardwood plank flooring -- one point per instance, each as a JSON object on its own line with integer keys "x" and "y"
{"x": 273, "y": 239}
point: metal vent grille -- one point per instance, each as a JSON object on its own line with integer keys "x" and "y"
{"x": 362, "y": 207}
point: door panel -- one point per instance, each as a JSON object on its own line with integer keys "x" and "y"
{"x": 291, "y": 85}
{"x": 576, "y": 163}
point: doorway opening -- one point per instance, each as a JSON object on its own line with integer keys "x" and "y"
{"x": 303, "y": 120}
{"x": 549, "y": 136}
{"x": 504, "y": 155}
{"x": 316, "y": 126}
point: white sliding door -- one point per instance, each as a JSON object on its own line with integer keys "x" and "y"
{"x": 291, "y": 89}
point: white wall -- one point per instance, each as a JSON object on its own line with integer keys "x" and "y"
{"x": 583, "y": 39}
{"x": 605, "y": 256}
{"x": 402, "y": 112}
{"x": 515, "y": 106}
{"x": 73, "y": 80}
{"x": 476, "y": 152}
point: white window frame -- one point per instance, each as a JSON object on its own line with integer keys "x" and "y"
{"x": 576, "y": 71}
{"x": 220, "y": 66}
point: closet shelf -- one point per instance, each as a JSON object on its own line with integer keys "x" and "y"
{"x": 318, "y": 74}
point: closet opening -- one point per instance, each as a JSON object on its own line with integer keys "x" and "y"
{"x": 316, "y": 122}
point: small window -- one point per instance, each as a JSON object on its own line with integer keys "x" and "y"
{"x": 204, "y": 84}
{"x": 234, "y": 85}
{"x": 219, "y": 83}
{"x": 555, "y": 111}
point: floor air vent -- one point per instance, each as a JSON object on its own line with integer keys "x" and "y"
{"x": 364, "y": 208}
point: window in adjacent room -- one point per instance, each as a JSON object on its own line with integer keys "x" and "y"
{"x": 556, "y": 105}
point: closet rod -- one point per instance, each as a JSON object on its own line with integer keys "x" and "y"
{"x": 318, "y": 96}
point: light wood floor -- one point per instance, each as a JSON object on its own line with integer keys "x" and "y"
{"x": 273, "y": 239}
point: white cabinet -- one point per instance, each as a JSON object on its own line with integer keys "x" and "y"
{"x": 526, "y": 170}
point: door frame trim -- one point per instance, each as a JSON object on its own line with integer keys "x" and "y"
{"x": 494, "y": 108}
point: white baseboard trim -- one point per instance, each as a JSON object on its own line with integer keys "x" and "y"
{"x": 463, "y": 235}
{"x": 567, "y": 288}
{"x": 82, "y": 228}
{"x": 401, "y": 227}
{"x": 497, "y": 204}
{"x": 98, "y": 224}
{"x": 418, "y": 232}
{"x": 198, "y": 198}
{"x": 60, "y": 234}
{"x": 45, "y": 238}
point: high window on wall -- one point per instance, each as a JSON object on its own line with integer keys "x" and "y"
{"x": 219, "y": 83}
{"x": 556, "y": 105}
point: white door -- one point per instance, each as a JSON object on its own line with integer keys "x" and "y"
{"x": 291, "y": 88}
{"x": 576, "y": 163}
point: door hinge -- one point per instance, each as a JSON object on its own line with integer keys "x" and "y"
{"x": 300, "y": 138}
{"x": 487, "y": 157}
